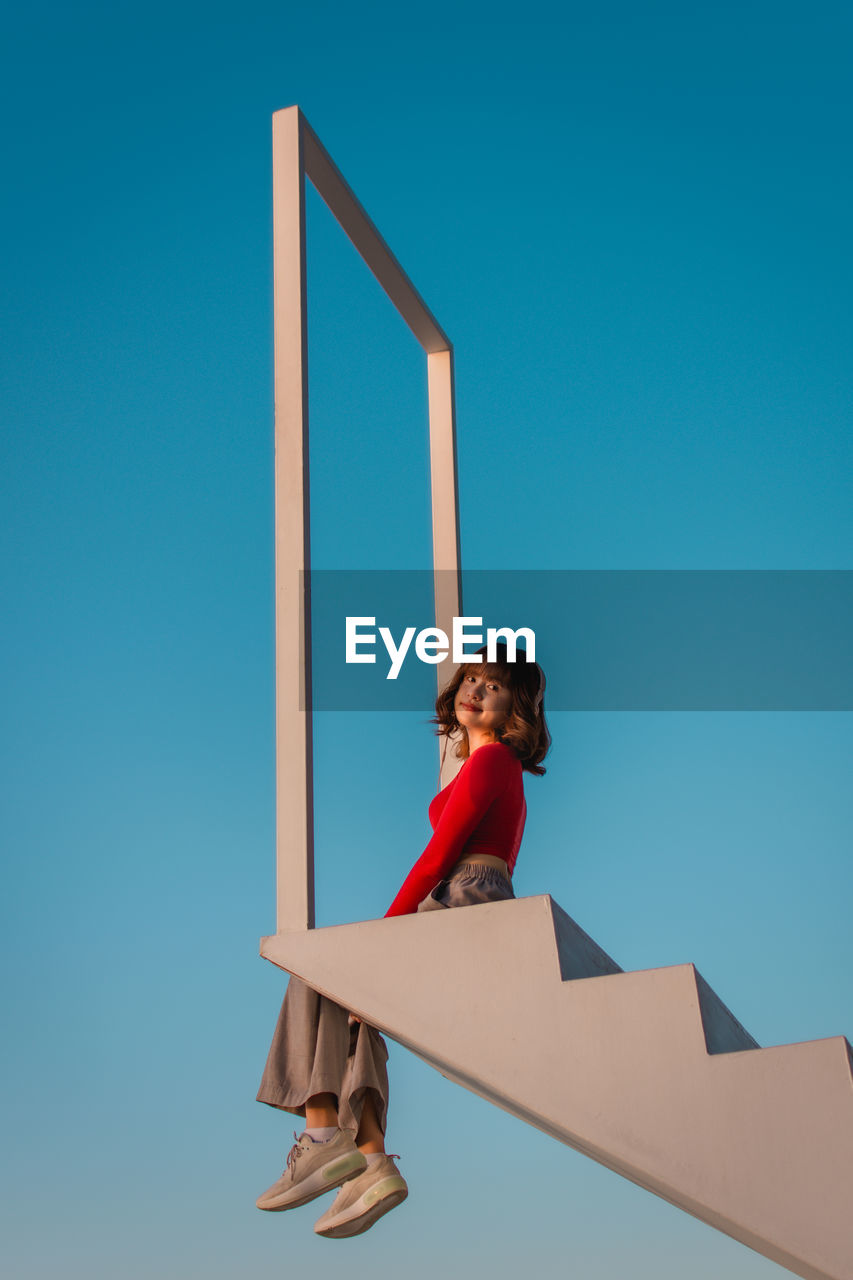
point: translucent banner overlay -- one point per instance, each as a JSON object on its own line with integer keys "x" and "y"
{"x": 608, "y": 640}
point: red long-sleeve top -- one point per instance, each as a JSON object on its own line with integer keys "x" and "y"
{"x": 481, "y": 811}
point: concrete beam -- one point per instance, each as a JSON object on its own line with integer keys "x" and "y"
{"x": 647, "y": 1072}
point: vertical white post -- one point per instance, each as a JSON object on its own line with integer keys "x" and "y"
{"x": 445, "y": 512}
{"x": 294, "y": 780}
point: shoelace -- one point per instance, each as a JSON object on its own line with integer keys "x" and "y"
{"x": 293, "y": 1154}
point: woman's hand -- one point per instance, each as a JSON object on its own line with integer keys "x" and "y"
{"x": 353, "y": 1020}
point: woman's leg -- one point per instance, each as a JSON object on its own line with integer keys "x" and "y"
{"x": 304, "y": 1074}
{"x": 370, "y": 1139}
{"x": 363, "y": 1098}
{"x": 380, "y": 1186}
{"x": 321, "y": 1111}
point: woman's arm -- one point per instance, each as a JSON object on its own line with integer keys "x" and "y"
{"x": 482, "y": 779}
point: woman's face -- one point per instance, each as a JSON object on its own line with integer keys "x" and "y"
{"x": 482, "y": 702}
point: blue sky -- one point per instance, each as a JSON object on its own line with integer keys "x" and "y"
{"x": 634, "y": 225}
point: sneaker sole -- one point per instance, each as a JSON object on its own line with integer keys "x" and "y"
{"x": 376, "y": 1202}
{"x": 326, "y": 1179}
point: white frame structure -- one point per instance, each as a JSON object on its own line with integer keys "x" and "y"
{"x": 647, "y": 1072}
{"x": 298, "y": 154}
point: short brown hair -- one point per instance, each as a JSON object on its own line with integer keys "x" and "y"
{"x": 525, "y": 730}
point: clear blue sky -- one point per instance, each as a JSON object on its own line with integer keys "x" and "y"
{"x": 634, "y": 224}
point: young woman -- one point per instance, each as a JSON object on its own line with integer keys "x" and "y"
{"x": 326, "y": 1065}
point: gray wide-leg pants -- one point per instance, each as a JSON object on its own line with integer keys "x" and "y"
{"x": 315, "y": 1050}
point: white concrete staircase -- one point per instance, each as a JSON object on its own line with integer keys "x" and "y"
{"x": 646, "y": 1072}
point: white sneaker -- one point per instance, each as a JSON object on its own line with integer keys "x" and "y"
{"x": 312, "y": 1168}
{"x": 363, "y": 1201}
